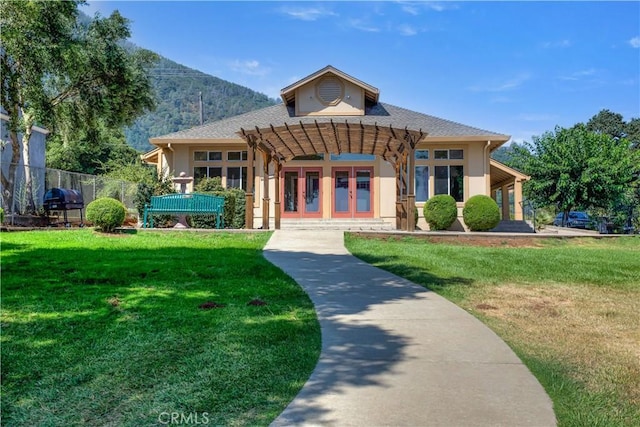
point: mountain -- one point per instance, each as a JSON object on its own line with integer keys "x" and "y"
{"x": 177, "y": 90}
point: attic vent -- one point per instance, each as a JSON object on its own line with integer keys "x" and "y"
{"x": 330, "y": 90}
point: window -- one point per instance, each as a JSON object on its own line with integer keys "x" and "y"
{"x": 448, "y": 154}
{"x": 236, "y": 156}
{"x": 441, "y": 154}
{"x": 204, "y": 156}
{"x": 237, "y": 177}
{"x": 450, "y": 180}
{"x": 422, "y": 154}
{"x": 348, "y": 157}
{"x": 201, "y": 172}
{"x": 422, "y": 183}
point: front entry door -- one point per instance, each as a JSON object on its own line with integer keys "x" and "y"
{"x": 302, "y": 193}
{"x": 352, "y": 189}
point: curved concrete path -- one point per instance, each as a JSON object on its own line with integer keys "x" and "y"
{"x": 395, "y": 354}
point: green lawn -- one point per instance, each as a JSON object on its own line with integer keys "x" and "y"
{"x": 107, "y": 329}
{"x": 569, "y": 308}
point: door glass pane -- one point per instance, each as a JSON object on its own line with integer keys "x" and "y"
{"x": 422, "y": 183}
{"x": 341, "y": 191}
{"x": 291, "y": 191}
{"x": 363, "y": 191}
{"x": 312, "y": 192}
{"x": 442, "y": 180}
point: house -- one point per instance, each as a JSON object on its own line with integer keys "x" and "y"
{"x": 332, "y": 150}
{"x": 19, "y": 177}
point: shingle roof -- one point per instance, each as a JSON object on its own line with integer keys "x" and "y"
{"x": 381, "y": 114}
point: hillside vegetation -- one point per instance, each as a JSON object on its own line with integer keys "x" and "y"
{"x": 177, "y": 90}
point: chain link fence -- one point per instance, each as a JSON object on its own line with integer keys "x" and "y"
{"x": 40, "y": 180}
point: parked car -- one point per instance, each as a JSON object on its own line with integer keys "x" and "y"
{"x": 576, "y": 220}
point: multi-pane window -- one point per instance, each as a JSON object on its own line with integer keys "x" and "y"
{"x": 200, "y": 172}
{"x": 447, "y": 176}
{"x": 236, "y": 156}
{"x": 448, "y": 154}
{"x": 207, "y": 156}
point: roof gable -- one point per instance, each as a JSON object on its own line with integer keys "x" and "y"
{"x": 288, "y": 93}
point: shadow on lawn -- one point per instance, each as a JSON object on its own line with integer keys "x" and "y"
{"x": 356, "y": 352}
{"x": 110, "y": 322}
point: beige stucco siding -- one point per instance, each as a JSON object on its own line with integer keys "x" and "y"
{"x": 307, "y": 102}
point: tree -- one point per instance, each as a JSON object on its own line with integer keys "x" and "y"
{"x": 609, "y": 123}
{"x": 57, "y": 72}
{"x": 578, "y": 168}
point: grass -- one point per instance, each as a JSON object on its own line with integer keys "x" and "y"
{"x": 569, "y": 308}
{"x": 107, "y": 329}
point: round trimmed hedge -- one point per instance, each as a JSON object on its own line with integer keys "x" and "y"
{"x": 481, "y": 213}
{"x": 106, "y": 213}
{"x": 440, "y": 212}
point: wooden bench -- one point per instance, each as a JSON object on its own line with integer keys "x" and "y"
{"x": 185, "y": 204}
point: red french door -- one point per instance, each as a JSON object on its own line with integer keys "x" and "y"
{"x": 352, "y": 192}
{"x": 301, "y": 192}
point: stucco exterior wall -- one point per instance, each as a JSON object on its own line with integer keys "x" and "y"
{"x": 307, "y": 102}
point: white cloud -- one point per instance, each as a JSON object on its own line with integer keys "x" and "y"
{"x": 635, "y": 42}
{"x": 361, "y": 25}
{"x": 407, "y": 30}
{"x": 250, "y": 67}
{"x": 307, "y": 13}
{"x": 557, "y": 44}
{"x": 416, "y": 8}
{"x": 578, "y": 75}
{"x": 501, "y": 86}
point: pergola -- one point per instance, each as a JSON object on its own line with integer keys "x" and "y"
{"x": 282, "y": 143}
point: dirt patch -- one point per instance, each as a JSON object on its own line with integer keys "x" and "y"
{"x": 256, "y": 302}
{"x": 211, "y": 305}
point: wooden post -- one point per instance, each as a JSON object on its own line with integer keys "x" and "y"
{"x": 276, "y": 176}
{"x": 266, "y": 159}
{"x": 411, "y": 193}
{"x": 517, "y": 200}
{"x": 403, "y": 199}
{"x": 505, "y": 203}
{"x": 398, "y": 165}
{"x": 248, "y": 215}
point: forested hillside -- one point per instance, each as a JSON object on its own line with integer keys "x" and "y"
{"x": 177, "y": 90}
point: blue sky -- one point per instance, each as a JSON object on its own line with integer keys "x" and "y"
{"x": 519, "y": 68}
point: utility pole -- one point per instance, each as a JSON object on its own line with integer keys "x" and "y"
{"x": 201, "y": 111}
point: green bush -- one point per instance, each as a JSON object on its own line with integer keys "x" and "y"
{"x": 481, "y": 213}
{"x": 440, "y": 212}
{"x": 143, "y": 196}
{"x": 234, "y": 205}
{"x": 1, "y": 216}
{"x": 106, "y": 214}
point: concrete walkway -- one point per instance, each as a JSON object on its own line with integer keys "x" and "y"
{"x": 395, "y": 354}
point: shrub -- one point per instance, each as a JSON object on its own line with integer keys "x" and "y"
{"x": 234, "y": 205}
{"x": 440, "y": 212}
{"x": 106, "y": 213}
{"x": 1, "y": 216}
{"x": 481, "y": 213}
{"x": 143, "y": 196}
{"x": 416, "y": 215}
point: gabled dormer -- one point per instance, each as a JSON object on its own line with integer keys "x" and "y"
{"x": 329, "y": 92}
